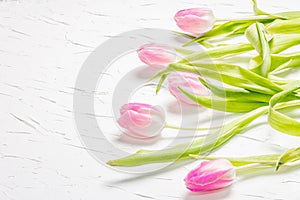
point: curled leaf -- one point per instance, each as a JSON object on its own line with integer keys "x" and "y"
{"x": 279, "y": 121}
{"x": 291, "y": 155}
{"x": 259, "y": 38}
{"x": 284, "y": 26}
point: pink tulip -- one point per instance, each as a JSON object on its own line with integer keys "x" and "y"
{"x": 156, "y": 55}
{"x": 141, "y": 120}
{"x": 188, "y": 82}
{"x": 210, "y": 175}
{"x": 195, "y": 20}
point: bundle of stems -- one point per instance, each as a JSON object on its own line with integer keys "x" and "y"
{"x": 257, "y": 89}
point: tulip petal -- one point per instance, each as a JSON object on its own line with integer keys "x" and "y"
{"x": 138, "y": 107}
{"x": 195, "y": 20}
{"x": 188, "y": 82}
{"x": 210, "y": 175}
{"x": 214, "y": 186}
{"x": 156, "y": 55}
{"x": 141, "y": 120}
{"x": 138, "y": 119}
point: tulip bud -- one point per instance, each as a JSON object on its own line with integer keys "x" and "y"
{"x": 156, "y": 55}
{"x": 210, "y": 175}
{"x": 142, "y": 120}
{"x": 188, "y": 82}
{"x": 195, "y": 21}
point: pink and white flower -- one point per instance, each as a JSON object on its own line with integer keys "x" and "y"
{"x": 142, "y": 120}
{"x": 156, "y": 55}
{"x": 195, "y": 21}
{"x": 210, "y": 175}
{"x": 188, "y": 82}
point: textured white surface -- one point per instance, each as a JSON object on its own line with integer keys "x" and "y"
{"x": 42, "y": 47}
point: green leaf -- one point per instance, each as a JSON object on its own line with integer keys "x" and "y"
{"x": 161, "y": 81}
{"x": 184, "y": 51}
{"x": 284, "y": 26}
{"x": 184, "y": 35}
{"x": 235, "y": 93}
{"x": 226, "y": 105}
{"x": 285, "y": 61}
{"x": 276, "y": 160}
{"x": 289, "y": 14}
{"x": 269, "y": 160}
{"x": 282, "y": 122}
{"x": 230, "y": 74}
{"x": 199, "y": 146}
{"x": 283, "y": 15}
{"x": 258, "y": 37}
{"x": 278, "y": 44}
{"x": 282, "y": 42}
{"x": 258, "y": 11}
{"x": 279, "y": 63}
{"x": 218, "y": 52}
{"x": 278, "y": 80}
{"x": 227, "y": 30}
{"x": 291, "y": 155}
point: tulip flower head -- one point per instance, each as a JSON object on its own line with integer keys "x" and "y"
{"x": 156, "y": 55}
{"x": 210, "y": 175}
{"x": 188, "y": 82}
{"x": 142, "y": 120}
{"x": 195, "y": 21}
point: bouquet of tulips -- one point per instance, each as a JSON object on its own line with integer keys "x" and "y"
{"x": 257, "y": 89}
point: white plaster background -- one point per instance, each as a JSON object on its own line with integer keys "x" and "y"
{"x": 42, "y": 47}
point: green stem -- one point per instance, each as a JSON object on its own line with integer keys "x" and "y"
{"x": 263, "y": 160}
{"x": 184, "y": 51}
{"x": 250, "y": 166}
{"x": 199, "y": 146}
{"x": 288, "y": 158}
{"x": 191, "y": 128}
{"x": 217, "y": 52}
{"x": 250, "y": 18}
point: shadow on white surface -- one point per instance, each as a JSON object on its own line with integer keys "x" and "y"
{"x": 178, "y": 108}
{"x": 173, "y": 166}
{"x": 211, "y": 195}
{"x": 146, "y": 72}
{"x": 270, "y": 171}
{"x": 132, "y": 140}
